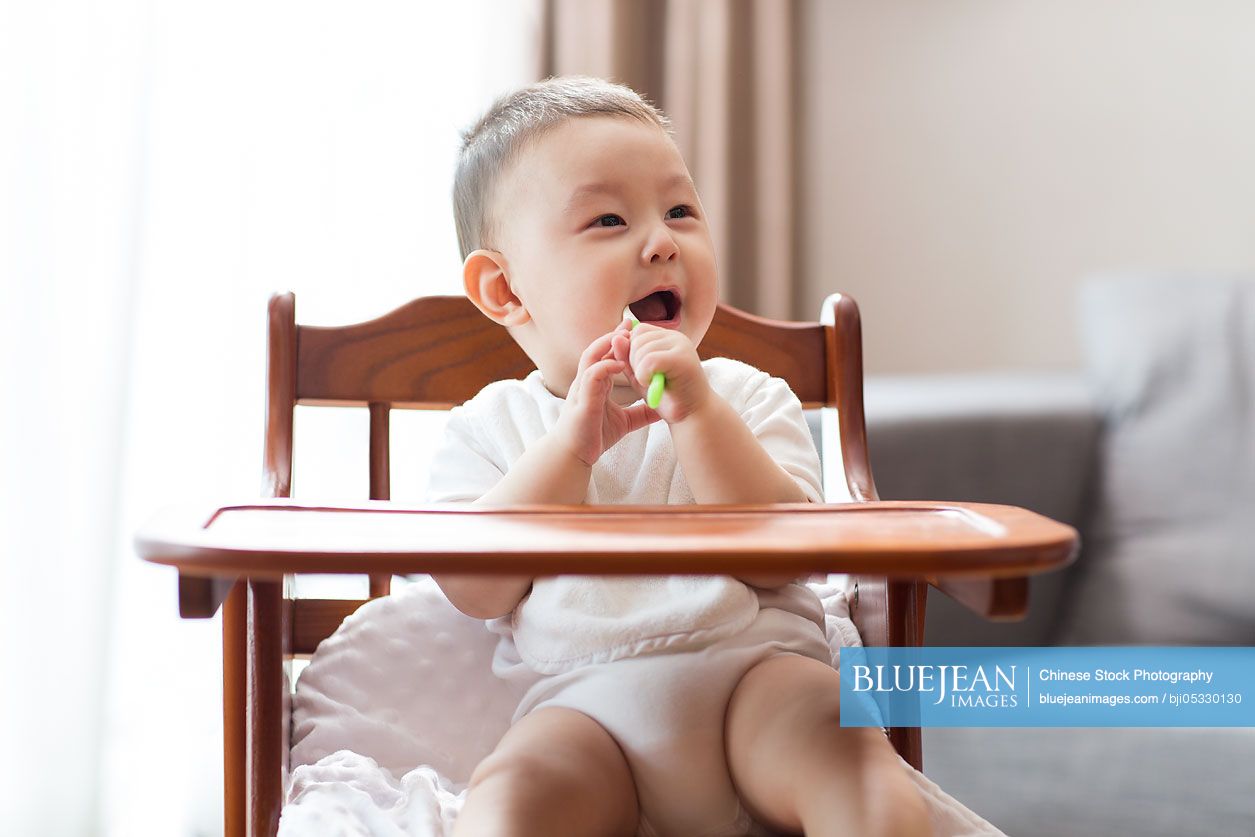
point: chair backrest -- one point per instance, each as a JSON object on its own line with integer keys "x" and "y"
{"x": 437, "y": 352}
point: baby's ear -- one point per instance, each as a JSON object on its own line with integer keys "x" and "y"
{"x": 488, "y": 286}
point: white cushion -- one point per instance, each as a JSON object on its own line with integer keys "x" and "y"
{"x": 407, "y": 680}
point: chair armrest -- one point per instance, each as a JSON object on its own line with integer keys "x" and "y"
{"x": 200, "y": 598}
{"x": 996, "y": 599}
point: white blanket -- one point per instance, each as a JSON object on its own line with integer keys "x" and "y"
{"x": 400, "y": 704}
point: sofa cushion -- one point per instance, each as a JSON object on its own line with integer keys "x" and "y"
{"x": 1018, "y": 439}
{"x": 1170, "y": 557}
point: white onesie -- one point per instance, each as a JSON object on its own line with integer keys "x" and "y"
{"x": 569, "y": 631}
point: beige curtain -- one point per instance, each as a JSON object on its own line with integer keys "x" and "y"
{"x": 723, "y": 70}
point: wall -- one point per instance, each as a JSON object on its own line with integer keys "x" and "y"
{"x": 964, "y": 164}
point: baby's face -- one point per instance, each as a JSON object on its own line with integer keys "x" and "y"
{"x": 599, "y": 214}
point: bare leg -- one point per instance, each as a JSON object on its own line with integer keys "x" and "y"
{"x": 556, "y": 771}
{"x": 797, "y": 769}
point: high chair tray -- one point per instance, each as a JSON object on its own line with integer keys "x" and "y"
{"x": 269, "y": 538}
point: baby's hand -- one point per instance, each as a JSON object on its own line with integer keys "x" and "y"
{"x": 590, "y": 422}
{"x": 647, "y": 349}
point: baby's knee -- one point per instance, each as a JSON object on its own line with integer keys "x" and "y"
{"x": 519, "y": 777}
{"x": 517, "y": 796}
{"x": 553, "y": 785}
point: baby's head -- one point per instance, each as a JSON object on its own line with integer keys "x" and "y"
{"x": 571, "y": 202}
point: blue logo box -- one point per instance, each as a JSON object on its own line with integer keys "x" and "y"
{"x": 1102, "y": 686}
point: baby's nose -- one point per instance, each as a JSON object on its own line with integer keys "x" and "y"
{"x": 661, "y": 247}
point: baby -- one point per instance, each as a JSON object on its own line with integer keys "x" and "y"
{"x": 678, "y": 705}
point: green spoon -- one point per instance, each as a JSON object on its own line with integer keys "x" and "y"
{"x": 653, "y": 396}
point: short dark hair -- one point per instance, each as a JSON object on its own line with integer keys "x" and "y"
{"x": 517, "y": 119}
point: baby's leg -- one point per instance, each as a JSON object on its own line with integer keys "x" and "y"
{"x": 556, "y": 771}
{"x": 797, "y": 769}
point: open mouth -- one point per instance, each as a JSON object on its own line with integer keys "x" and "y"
{"x": 662, "y": 307}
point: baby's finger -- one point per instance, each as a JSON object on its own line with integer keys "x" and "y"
{"x": 603, "y": 368}
{"x": 596, "y": 351}
{"x": 600, "y": 349}
{"x": 640, "y": 416}
{"x": 645, "y": 361}
{"x": 654, "y": 351}
{"x": 621, "y": 346}
{"x": 622, "y": 349}
{"x": 595, "y": 381}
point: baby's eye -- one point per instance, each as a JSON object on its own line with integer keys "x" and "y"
{"x": 608, "y": 221}
{"x": 684, "y": 210}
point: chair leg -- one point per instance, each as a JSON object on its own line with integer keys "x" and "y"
{"x": 909, "y": 599}
{"x": 265, "y": 719}
{"x": 234, "y": 708}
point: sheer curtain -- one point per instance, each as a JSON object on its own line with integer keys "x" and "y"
{"x": 166, "y": 166}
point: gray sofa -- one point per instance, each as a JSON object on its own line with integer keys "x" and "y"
{"x": 1150, "y": 453}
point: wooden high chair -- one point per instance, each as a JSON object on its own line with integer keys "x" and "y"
{"x": 435, "y": 353}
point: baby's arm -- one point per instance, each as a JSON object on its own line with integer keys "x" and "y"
{"x": 724, "y": 463}
{"x": 547, "y": 472}
{"x": 555, "y": 469}
{"x": 722, "y": 460}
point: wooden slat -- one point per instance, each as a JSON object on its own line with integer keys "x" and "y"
{"x": 313, "y": 620}
{"x": 432, "y": 353}
{"x": 380, "y": 487}
{"x": 280, "y": 396}
{"x": 787, "y": 350}
{"x": 437, "y": 352}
